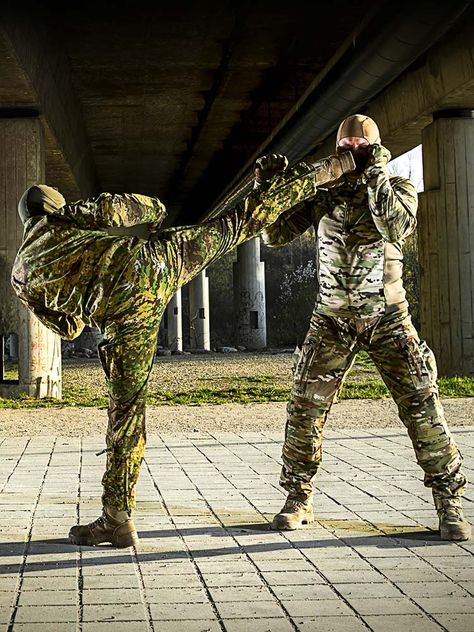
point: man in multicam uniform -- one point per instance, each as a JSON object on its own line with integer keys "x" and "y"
{"x": 71, "y": 272}
{"x": 361, "y": 223}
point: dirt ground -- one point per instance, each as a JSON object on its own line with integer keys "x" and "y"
{"x": 359, "y": 413}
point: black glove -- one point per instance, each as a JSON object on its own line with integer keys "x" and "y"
{"x": 268, "y": 166}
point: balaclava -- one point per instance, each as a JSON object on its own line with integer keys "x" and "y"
{"x": 360, "y": 126}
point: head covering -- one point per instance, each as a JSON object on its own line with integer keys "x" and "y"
{"x": 359, "y": 126}
{"x": 38, "y": 200}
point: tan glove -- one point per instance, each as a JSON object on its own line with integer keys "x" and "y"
{"x": 333, "y": 167}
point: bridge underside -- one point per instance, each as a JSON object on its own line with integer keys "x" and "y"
{"x": 177, "y": 101}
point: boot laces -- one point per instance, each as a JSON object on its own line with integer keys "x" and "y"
{"x": 451, "y": 510}
{"x": 99, "y": 522}
{"x": 293, "y": 504}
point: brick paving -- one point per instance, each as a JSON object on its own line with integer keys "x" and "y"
{"x": 208, "y": 560}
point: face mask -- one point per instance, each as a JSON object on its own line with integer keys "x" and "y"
{"x": 361, "y": 155}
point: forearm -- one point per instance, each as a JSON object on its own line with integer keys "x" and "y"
{"x": 393, "y": 207}
{"x": 296, "y": 219}
{"x": 188, "y": 250}
{"x": 289, "y": 225}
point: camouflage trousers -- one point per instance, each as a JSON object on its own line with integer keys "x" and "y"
{"x": 407, "y": 367}
{"x": 127, "y": 355}
{"x": 131, "y": 326}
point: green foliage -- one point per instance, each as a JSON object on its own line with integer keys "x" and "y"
{"x": 456, "y": 386}
{"x": 411, "y": 277}
{"x": 241, "y": 389}
{"x": 290, "y": 276}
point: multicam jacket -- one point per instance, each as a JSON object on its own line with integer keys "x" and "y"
{"x": 360, "y": 227}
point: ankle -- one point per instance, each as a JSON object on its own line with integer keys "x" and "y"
{"x": 116, "y": 515}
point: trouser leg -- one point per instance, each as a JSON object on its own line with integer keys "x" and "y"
{"x": 327, "y": 354}
{"x": 408, "y": 368}
{"x": 127, "y": 356}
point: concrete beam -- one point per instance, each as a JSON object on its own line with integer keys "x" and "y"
{"x": 36, "y": 47}
{"x": 446, "y": 242}
{"x": 442, "y": 78}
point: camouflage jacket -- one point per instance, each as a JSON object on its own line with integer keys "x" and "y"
{"x": 68, "y": 265}
{"x": 360, "y": 228}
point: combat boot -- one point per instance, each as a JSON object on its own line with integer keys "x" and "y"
{"x": 296, "y": 512}
{"x": 452, "y": 524}
{"x": 115, "y": 527}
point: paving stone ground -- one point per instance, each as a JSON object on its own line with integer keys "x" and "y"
{"x": 208, "y": 560}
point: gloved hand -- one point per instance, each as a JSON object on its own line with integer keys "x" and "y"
{"x": 330, "y": 169}
{"x": 378, "y": 160}
{"x": 268, "y": 166}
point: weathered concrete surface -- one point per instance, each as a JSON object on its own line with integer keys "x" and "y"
{"x": 207, "y": 559}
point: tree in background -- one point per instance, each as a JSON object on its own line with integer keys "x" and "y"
{"x": 290, "y": 275}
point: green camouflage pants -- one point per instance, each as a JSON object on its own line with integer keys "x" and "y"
{"x": 127, "y": 353}
{"x": 407, "y": 367}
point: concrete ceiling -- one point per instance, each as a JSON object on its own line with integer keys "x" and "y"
{"x": 169, "y": 100}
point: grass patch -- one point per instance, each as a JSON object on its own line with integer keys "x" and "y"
{"x": 456, "y": 386}
{"x": 229, "y": 389}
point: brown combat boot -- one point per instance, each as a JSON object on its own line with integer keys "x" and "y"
{"x": 452, "y": 524}
{"x": 296, "y": 512}
{"x": 115, "y": 527}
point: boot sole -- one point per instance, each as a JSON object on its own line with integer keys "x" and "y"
{"x": 123, "y": 543}
{"x": 458, "y": 536}
{"x": 284, "y": 525}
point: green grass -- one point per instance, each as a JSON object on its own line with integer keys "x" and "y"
{"x": 243, "y": 390}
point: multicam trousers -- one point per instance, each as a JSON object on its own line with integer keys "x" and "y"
{"x": 407, "y": 367}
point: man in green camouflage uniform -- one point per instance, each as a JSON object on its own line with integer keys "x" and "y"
{"x": 361, "y": 224}
{"x": 71, "y": 272}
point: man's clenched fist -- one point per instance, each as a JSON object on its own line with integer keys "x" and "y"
{"x": 268, "y": 166}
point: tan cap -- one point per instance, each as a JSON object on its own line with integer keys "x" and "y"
{"x": 51, "y": 199}
{"x": 38, "y": 200}
{"x": 359, "y": 126}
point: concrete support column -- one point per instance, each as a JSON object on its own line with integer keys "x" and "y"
{"x": 199, "y": 312}
{"x": 249, "y": 296}
{"x": 446, "y": 241}
{"x": 39, "y": 350}
{"x": 175, "y": 323}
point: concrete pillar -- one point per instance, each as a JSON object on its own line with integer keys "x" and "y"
{"x": 175, "y": 323}
{"x": 39, "y": 350}
{"x": 249, "y": 296}
{"x": 199, "y": 312}
{"x": 446, "y": 241}
{"x": 13, "y": 343}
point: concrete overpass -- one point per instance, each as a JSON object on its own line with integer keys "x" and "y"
{"x": 177, "y": 101}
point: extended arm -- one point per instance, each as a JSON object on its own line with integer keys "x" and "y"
{"x": 296, "y": 220}
{"x": 187, "y": 250}
{"x": 393, "y": 200}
